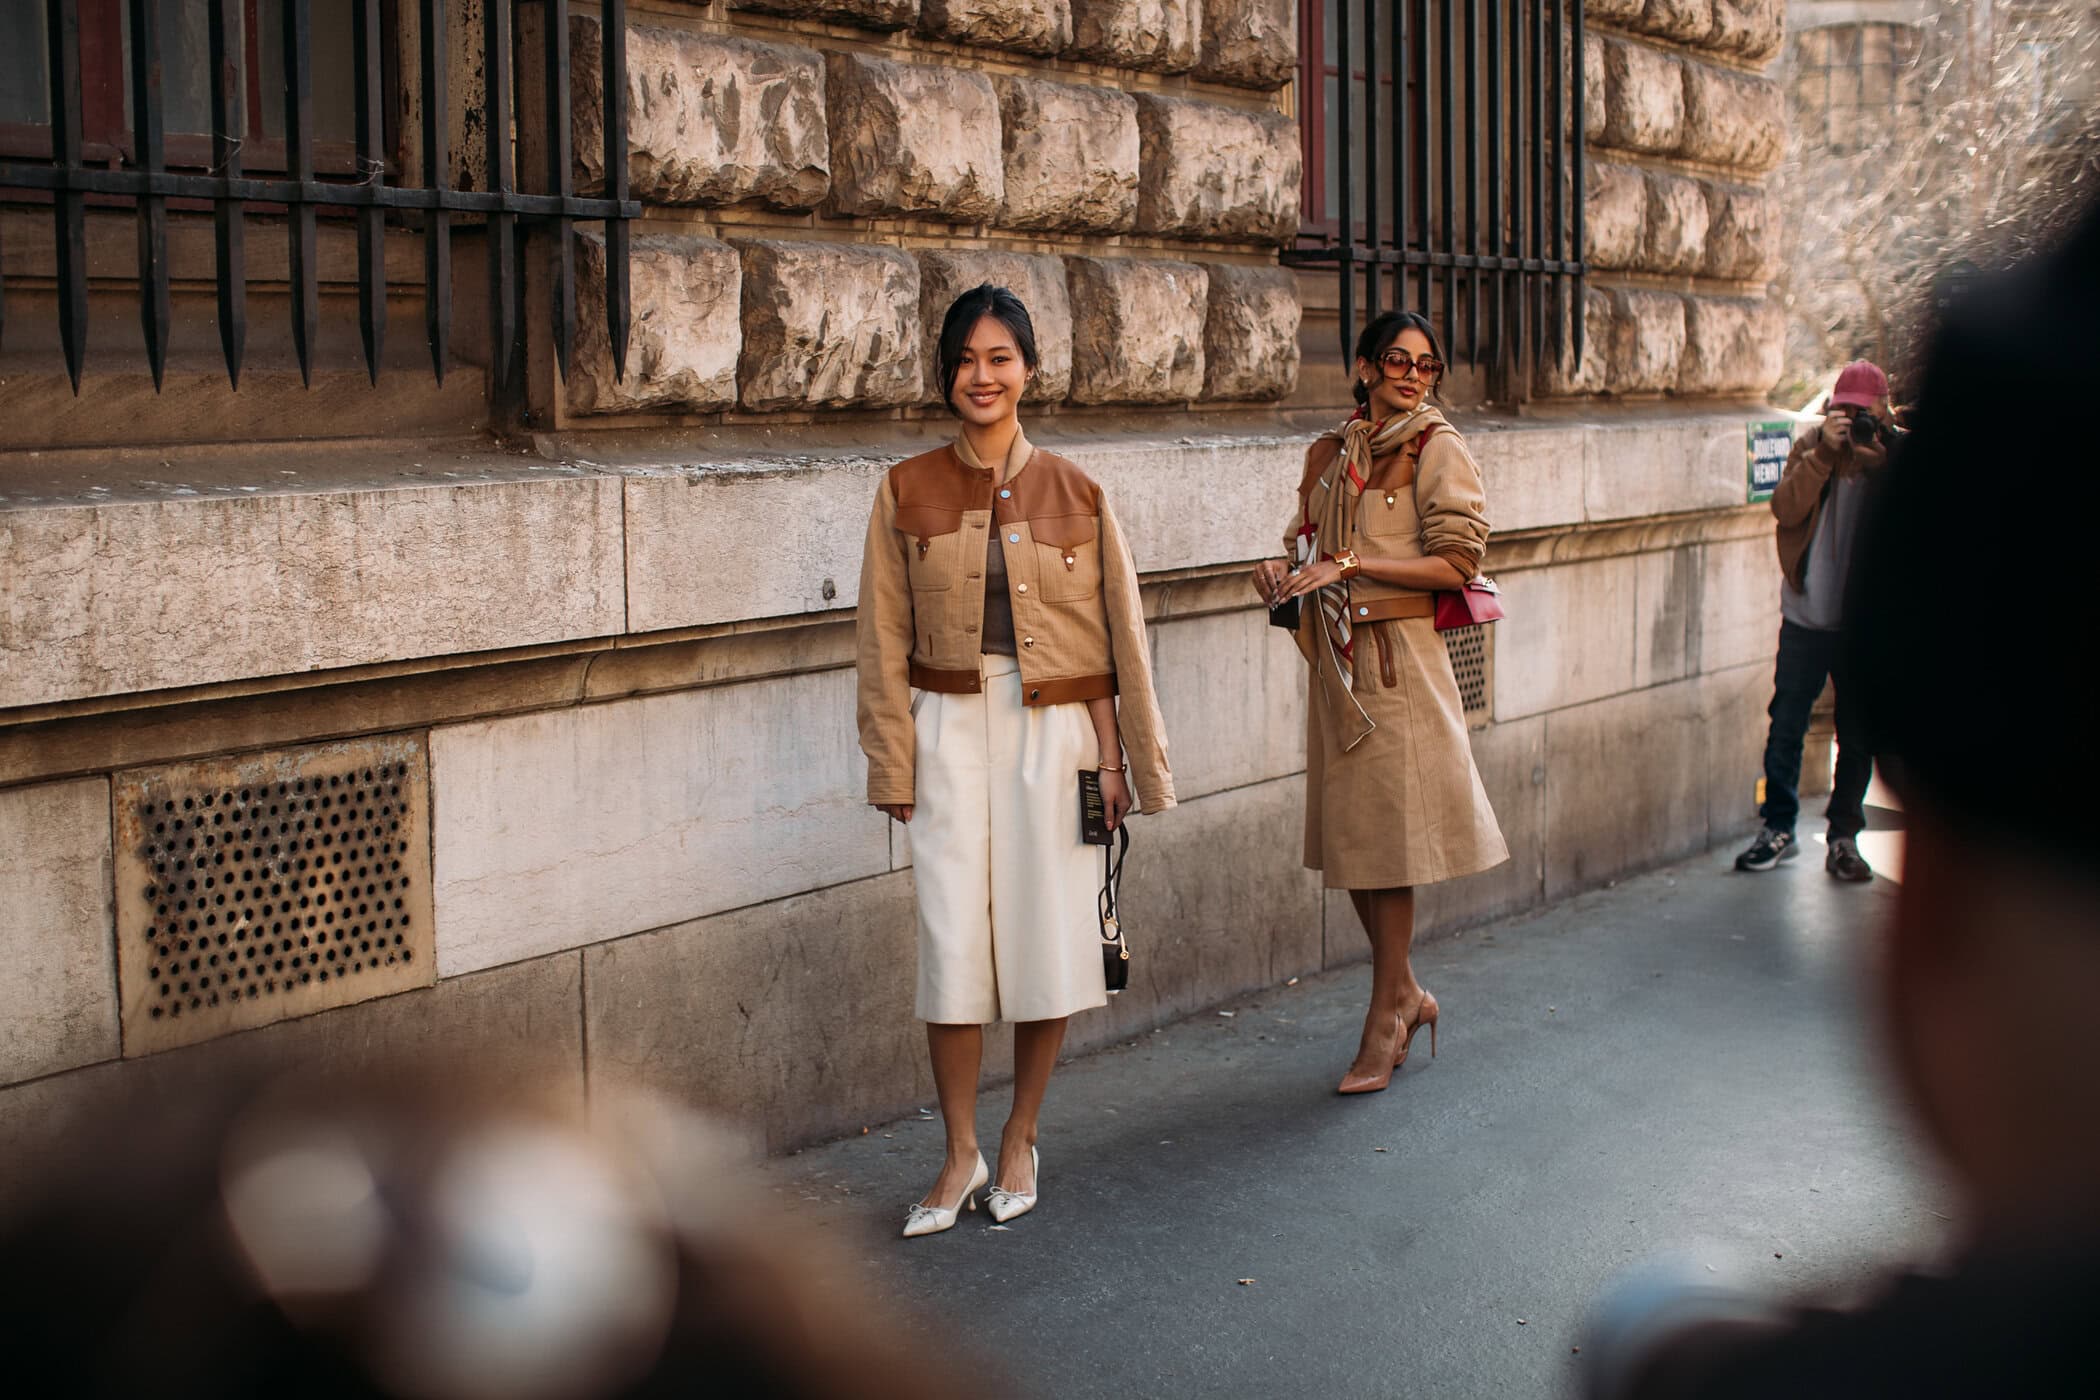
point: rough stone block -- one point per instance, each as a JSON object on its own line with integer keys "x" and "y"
{"x": 1596, "y": 86}
{"x": 1568, "y": 638}
{"x": 1644, "y": 98}
{"x": 1752, "y": 29}
{"x": 1732, "y": 345}
{"x": 1037, "y": 279}
{"x": 1158, "y": 36}
{"x": 1071, "y": 156}
{"x": 1018, "y": 26}
{"x": 865, "y": 14}
{"x": 1217, "y": 172}
{"x": 685, "y": 295}
{"x": 1232, "y": 699}
{"x": 1137, "y": 330}
{"x": 189, "y": 590}
{"x": 710, "y": 119}
{"x": 1590, "y": 373}
{"x": 1626, "y": 785}
{"x": 1614, "y": 214}
{"x": 554, "y": 830}
{"x": 1250, "y": 334}
{"x": 1647, "y": 341}
{"x": 791, "y": 1020}
{"x": 1742, "y": 232}
{"x": 1732, "y": 118}
{"x": 1252, "y": 43}
{"x": 1675, "y": 236}
{"x": 913, "y": 139}
{"x": 1624, "y": 12}
{"x": 1686, "y": 21}
{"x": 829, "y": 325}
{"x": 58, "y": 970}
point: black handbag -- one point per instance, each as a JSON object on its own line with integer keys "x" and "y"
{"x": 1285, "y": 614}
{"x": 1115, "y": 948}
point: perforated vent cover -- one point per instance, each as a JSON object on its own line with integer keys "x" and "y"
{"x": 1473, "y": 662}
{"x": 259, "y": 888}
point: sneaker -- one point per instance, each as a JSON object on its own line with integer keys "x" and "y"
{"x": 1771, "y": 847}
{"x": 1846, "y": 863}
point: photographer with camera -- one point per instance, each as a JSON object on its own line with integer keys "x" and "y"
{"x": 1819, "y": 502}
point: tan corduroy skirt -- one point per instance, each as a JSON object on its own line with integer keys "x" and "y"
{"x": 1405, "y": 806}
{"x": 1008, "y": 927}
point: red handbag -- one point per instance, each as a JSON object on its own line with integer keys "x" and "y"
{"x": 1479, "y": 601}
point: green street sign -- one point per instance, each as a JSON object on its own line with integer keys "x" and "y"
{"x": 1769, "y": 444}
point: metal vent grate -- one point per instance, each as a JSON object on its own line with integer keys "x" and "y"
{"x": 255, "y": 889}
{"x": 1473, "y": 662}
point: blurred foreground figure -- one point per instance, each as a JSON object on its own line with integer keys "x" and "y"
{"x": 392, "y": 1240}
{"x": 1969, "y": 625}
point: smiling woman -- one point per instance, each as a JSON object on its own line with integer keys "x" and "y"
{"x": 996, "y": 585}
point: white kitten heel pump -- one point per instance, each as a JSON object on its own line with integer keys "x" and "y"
{"x": 923, "y": 1219}
{"x": 1004, "y": 1205}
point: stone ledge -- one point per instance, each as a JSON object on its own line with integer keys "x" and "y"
{"x": 382, "y": 550}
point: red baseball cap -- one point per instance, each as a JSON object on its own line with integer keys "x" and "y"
{"x": 1860, "y": 384}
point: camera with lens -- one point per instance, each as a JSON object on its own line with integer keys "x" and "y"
{"x": 1866, "y": 428}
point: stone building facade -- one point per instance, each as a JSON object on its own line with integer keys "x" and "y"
{"x": 581, "y": 663}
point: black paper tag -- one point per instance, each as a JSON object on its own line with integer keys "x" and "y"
{"x": 1093, "y": 811}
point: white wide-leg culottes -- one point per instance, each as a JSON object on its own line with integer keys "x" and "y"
{"x": 1008, "y": 926}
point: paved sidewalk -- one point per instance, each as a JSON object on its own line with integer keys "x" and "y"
{"x": 1680, "y": 1061}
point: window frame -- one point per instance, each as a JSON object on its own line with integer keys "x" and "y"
{"x": 106, "y": 139}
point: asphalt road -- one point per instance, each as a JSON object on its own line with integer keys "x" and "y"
{"x": 1681, "y": 1063}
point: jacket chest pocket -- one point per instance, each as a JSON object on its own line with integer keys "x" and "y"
{"x": 1387, "y": 512}
{"x": 1067, "y": 557}
{"x": 932, "y": 546}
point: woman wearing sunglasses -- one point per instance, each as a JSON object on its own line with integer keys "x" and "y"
{"x": 1390, "y": 510}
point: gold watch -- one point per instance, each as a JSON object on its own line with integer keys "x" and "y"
{"x": 1348, "y": 563}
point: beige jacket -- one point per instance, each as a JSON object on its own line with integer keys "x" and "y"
{"x": 1410, "y": 510}
{"x": 1079, "y": 627}
{"x": 1804, "y": 485}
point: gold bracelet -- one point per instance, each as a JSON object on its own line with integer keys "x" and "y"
{"x": 1347, "y": 562}
{"x": 1112, "y": 767}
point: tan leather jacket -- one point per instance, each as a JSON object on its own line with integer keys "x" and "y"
{"x": 1079, "y": 627}
{"x": 1804, "y": 486}
{"x": 1409, "y": 510}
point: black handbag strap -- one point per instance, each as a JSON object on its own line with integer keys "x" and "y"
{"x": 1112, "y": 859}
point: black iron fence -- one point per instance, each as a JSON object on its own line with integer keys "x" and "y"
{"x": 134, "y": 168}
{"x": 1458, "y": 189}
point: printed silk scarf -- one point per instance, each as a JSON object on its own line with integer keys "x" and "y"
{"x": 1335, "y": 659}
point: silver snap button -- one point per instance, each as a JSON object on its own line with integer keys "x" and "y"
{"x": 1027, "y": 641}
{"x": 1020, "y": 588}
{"x": 1006, "y": 495}
{"x": 1363, "y": 612}
{"x": 1013, "y": 539}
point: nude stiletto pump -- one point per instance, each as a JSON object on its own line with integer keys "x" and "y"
{"x": 923, "y": 1219}
{"x": 1425, "y": 1016}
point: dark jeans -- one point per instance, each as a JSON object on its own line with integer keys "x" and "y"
{"x": 1806, "y": 659}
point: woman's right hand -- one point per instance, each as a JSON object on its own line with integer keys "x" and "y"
{"x": 1268, "y": 576}
{"x": 896, "y": 811}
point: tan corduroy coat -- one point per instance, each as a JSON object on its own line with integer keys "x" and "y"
{"x": 1405, "y": 806}
{"x": 1079, "y": 626}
